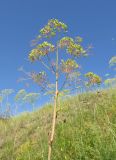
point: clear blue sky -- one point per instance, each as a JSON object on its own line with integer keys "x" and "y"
{"x": 20, "y": 21}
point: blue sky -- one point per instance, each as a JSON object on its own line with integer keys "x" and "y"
{"x": 20, "y": 21}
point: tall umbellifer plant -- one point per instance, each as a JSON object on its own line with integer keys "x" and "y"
{"x": 58, "y": 66}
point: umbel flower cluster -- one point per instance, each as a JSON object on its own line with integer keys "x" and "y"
{"x": 39, "y": 78}
{"x": 93, "y": 78}
{"x": 51, "y": 28}
{"x": 44, "y": 48}
{"x": 41, "y": 50}
{"x": 68, "y": 66}
{"x": 72, "y": 46}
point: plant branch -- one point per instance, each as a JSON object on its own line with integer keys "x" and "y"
{"x": 65, "y": 81}
{"x": 52, "y": 68}
{"x": 44, "y": 64}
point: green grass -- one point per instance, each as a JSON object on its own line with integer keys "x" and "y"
{"x": 85, "y": 130}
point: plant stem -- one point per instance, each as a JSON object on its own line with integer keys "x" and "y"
{"x": 54, "y": 111}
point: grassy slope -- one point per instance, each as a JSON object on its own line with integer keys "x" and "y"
{"x": 86, "y": 130}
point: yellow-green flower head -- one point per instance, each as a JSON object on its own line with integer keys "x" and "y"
{"x": 73, "y": 48}
{"x": 93, "y": 78}
{"x": 68, "y": 65}
{"x": 41, "y": 50}
{"x": 52, "y": 27}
